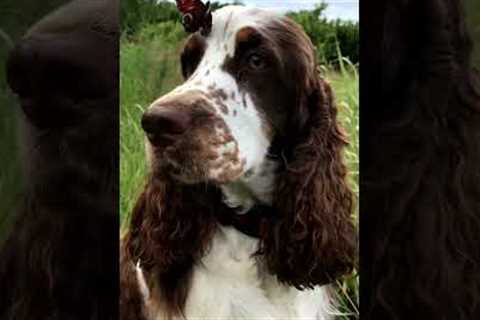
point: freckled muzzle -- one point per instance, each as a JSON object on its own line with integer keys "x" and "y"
{"x": 189, "y": 140}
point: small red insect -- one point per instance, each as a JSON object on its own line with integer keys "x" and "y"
{"x": 195, "y": 16}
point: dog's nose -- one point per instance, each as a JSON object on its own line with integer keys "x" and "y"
{"x": 165, "y": 125}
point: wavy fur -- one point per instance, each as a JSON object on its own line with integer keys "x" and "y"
{"x": 421, "y": 182}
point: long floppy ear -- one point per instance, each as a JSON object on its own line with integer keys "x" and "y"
{"x": 171, "y": 224}
{"x": 314, "y": 241}
{"x": 170, "y": 228}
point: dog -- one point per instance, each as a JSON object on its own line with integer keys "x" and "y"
{"x": 246, "y": 213}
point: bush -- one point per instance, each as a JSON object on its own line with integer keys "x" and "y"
{"x": 329, "y": 36}
{"x": 136, "y": 14}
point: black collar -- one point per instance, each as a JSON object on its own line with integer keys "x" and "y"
{"x": 253, "y": 223}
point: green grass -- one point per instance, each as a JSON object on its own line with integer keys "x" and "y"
{"x": 345, "y": 86}
{"x": 150, "y": 68}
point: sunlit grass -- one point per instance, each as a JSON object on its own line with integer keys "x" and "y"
{"x": 345, "y": 82}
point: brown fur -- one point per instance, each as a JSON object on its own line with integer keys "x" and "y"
{"x": 314, "y": 243}
{"x": 170, "y": 229}
{"x": 192, "y": 157}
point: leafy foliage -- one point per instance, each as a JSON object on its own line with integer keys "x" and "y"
{"x": 136, "y": 14}
{"x": 326, "y": 34}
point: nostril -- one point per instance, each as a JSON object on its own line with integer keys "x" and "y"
{"x": 163, "y": 124}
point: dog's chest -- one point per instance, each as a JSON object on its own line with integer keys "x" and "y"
{"x": 229, "y": 283}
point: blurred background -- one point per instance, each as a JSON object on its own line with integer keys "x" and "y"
{"x": 472, "y": 8}
{"x": 15, "y": 18}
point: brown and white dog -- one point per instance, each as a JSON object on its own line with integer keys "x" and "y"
{"x": 246, "y": 213}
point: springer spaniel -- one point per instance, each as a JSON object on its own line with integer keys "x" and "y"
{"x": 247, "y": 212}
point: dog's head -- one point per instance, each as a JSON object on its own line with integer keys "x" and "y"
{"x": 242, "y": 83}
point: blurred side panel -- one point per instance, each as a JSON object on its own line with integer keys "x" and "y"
{"x": 15, "y": 19}
{"x": 420, "y": 155}
{"x": 371, "y": 36}
{"x": 472, "y": 8}
{"x": 59, "y": 159}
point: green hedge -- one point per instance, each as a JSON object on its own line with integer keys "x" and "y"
{"x": 329, "y": 36}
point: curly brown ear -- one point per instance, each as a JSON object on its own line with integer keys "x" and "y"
{"x": 170, "y": 228}
{"x": 170, "y": 224}
{"x": 314, "y": 241}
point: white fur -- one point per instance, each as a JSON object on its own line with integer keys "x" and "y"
{"x": 142, "y": 283}
{"x": 248, "y": 190}
{"x": 230, "y": 283}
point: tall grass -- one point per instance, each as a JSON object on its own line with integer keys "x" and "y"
{"x": 345, "y": 85}
{"x": 150, "y": 67}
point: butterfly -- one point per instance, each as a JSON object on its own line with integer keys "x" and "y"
{"x": 195, "y": 16}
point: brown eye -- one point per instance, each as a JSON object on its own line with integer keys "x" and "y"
{"x": 256, "y": 62}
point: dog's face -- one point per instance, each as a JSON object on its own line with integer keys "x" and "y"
{"x": 220, "y": 123}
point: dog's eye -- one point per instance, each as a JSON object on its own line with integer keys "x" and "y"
{"x": 256, "y": 61}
